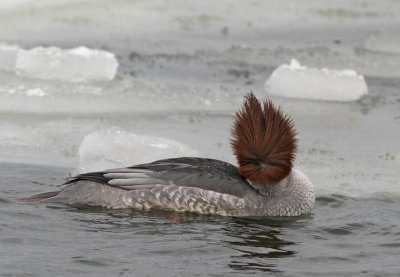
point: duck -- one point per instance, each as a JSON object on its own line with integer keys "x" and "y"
{"x": 264, "y": 183}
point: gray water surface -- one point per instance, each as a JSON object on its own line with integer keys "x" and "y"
{"x": 343, "y": 236}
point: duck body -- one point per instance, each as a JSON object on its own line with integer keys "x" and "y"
{"x": 264, "y": 183}
{"x": 186, "y": 184}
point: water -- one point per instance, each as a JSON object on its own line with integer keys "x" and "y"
{"x": 183, "y": 79}
{"x": 344, "y": 235}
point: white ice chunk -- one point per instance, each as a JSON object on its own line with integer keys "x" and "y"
{"x": 297, "y": 81}
{"x": 116, "y": 148}
{"x": 73, "y": 65}
{"x": 35, "y": 92}
{"x": 8, "y": 56}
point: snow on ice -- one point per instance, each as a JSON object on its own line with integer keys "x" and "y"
{"x": 297, "y": 81}
{"x": 116, "y": 148}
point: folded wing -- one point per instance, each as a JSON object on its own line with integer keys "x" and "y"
{"x": 205, "y": 174}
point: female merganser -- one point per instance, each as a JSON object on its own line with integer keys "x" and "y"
{"x": 264, "y": 184}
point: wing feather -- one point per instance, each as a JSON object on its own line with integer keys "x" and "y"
{"x": 206, "y": 174}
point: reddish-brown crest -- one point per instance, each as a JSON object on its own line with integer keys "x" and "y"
{"x": 264, "y": 141}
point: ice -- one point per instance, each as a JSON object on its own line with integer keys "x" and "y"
{"x": 117, "y": 148}
{"x": 297, "y": 81}
{"x": 35, "y": 92}
{"x": 79, "y": 64}
{"x": 8, "y": 56}
{"x": 185, "y": 78}
{"x": 385, "y": 42}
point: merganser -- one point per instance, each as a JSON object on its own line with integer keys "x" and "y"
{"x": 265, "y": 184}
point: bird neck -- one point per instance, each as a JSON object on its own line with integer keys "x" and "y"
{"x": 293, "y": 195}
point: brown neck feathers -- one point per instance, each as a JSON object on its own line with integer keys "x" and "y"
{"x": 264, "y": 141}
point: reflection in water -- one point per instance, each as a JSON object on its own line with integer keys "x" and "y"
{"x": 256, "y": 243}
{"x": 261, "y": 242}
{"x": 108, "y": 220}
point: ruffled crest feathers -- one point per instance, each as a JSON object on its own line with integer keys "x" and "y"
{"x": 264, "y": 141}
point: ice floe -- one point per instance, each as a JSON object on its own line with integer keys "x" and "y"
{"x": 35, "y": 92}
{"x": 297, "y": 81}
{"x": 8, "y": 56}
{"x": 117, "y": 148}
{"x": 77, "y": 65}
